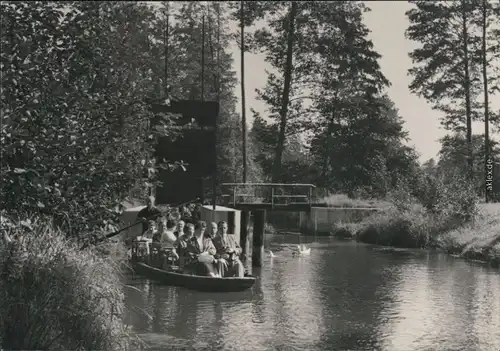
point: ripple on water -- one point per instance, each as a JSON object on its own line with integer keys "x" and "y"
{"x": 343, "y": 296}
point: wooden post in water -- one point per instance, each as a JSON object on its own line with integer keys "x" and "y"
{"x": 259, "y": 222}
{"x": 244, "y": 243}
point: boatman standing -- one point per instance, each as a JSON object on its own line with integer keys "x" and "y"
{"x": 149, "y": 213}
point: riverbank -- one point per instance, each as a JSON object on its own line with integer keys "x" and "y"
{"x": 479, "y": 240}
{"x": 476, "y": 240}
{"x": 56, "y": 295}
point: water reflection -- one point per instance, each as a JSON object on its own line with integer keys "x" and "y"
{"x": 294, "y": 297}
{"x": 442, "y": 305}
{"x": 485, "y": 312}
{"x": 344, "y": 296}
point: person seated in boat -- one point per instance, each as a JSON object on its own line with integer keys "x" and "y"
{"x": 196, "y": 213}
{"x": 160, "y": 229}
{"x": 165, "y": 241}
{"x": 182, "y": 241}
{"x": 213, "y": 230}
{"x": 185, "y": 213}
{"x": 200, "y": 245}
{"x": 180, "y": 228}
{"x": 151, "y": 231}
{"x": 150, "y": 212}
{"x": 228, "y": 251}
{"x": 165, "y": 235}
{"x": 154, "y": 247}
{"x": 142, "y": 242}
{"x": 187, "y": 234}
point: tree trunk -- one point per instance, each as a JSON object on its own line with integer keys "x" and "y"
{"x": 166, "y": 37}
{"x": 212, "y": 52}
{"x": 324, "y": 173}
{"x": 243, "y": 106}
{"x": 217, "y": 87}
{"x": 202, "y": 93}
{"x": 218, "y": 70}
{"x": 465, "y": 38}
{"x": 328, "y": 150}
{"x": 286, "y": 92}
{"x": 486, "y": 102}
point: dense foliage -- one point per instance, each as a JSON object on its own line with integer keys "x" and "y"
{"x": 341, "y": 130}
{"x": 74, "y": 118}
{"x": 338, "y": 110}
{"x": 77, "y": 77}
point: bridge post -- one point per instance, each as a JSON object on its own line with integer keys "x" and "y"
{"x": 259, "y": 222}
{"x": 244, "y": 242}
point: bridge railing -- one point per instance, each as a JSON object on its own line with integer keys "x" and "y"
{"x": 274, "y": 195}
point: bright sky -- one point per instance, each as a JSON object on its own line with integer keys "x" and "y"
{"x": 388, "y": 23}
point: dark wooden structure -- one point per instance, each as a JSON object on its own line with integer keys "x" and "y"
{"x": 257, "y": 198}
{"x": 194, "y": 145}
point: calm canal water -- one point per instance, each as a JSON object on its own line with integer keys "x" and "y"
{"x": 344, "y": 296}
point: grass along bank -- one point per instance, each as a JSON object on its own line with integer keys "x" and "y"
{"x": 435, "y": 212}
{"x": 478, "y": 239}
{"x": 55, "y": 296}
{"x": 344, "y": 201}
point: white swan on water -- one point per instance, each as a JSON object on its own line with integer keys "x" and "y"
{"x": 303, "y": 250}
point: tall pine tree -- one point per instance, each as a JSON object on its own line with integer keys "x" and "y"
{"x": 445, "y": 72}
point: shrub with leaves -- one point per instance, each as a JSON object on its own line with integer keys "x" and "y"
{"x": 410, "y": 227}
{"x": 401, "y": 197}
{"x": 426, "y": 189}
{"x": 451, "y": 197}
{"x": 422, "y": 211}
{"x": 55, "y": 296}
{"x": 458, "y": 199}
{"x": 74, "y": 131}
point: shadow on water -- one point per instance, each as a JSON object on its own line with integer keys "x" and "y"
{"x": 343, "y": 296}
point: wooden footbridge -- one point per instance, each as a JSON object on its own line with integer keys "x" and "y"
{"x": 259, "y": 198}
{"x": 268, "y": 196}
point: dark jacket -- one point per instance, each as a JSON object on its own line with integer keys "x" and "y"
{"x": 194, "y": 248}
{"x": 150, "y": 214}
{"x": 223, "y": 245}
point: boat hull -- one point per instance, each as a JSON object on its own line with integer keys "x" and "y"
{"x": 193, "y": 282}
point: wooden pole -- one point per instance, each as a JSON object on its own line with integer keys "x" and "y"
{"x": 202, "y": 93}
{"x": 244, "y": 243}
{"x": 259, "y": 222}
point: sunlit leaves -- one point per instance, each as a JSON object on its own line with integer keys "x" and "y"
{"x": 74, "y": 90}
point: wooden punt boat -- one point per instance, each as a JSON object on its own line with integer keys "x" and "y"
{"x": 193, "y": 282}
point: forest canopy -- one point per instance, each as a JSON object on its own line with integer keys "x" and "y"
{"x": 77, "y": 78}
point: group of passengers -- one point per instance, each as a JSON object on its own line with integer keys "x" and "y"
{"x": 192, "y": 247}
